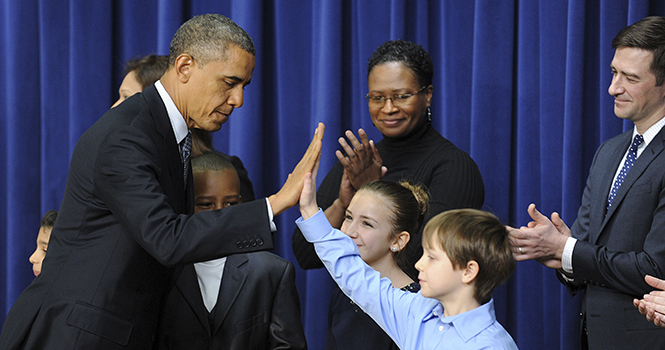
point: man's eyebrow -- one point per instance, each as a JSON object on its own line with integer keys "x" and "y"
{"x": 237, "y": 79}
{"x": 628, "y": 74}
{"x": 232, "y": 77}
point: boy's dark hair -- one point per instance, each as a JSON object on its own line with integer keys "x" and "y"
{"x": 48, "y": 220}
{"x": 647, "y": 34}
{"x": 148, "y": 69}
{"x": 409, "y": 54}
{"x": 409, "y": 205}
{"x": 211, "y": 161}
{"x": 471, "y": 234}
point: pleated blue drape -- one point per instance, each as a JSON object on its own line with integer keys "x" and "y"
{"x": 520, "y": 85}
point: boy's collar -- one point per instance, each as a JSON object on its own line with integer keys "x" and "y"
{"x": 468, "y": 324}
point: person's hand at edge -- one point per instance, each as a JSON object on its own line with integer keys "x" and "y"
{"x": 652, "y": 305}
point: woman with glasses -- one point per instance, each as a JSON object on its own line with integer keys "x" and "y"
{"x": 399, "y": 79}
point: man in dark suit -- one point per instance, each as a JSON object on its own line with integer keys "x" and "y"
{"x": 240, "y": 302}
{"x": 126, "y": 217}
{"x": 142, "y": 72}
{"x": 619, "y": 234}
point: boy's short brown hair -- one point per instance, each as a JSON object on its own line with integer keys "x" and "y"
{"x": 470, "y": 234}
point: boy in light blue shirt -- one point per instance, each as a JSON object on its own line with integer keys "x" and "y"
{"x": 466, "y": 255}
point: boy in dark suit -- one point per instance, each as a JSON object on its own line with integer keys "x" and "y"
{"x": 243, "y": 301}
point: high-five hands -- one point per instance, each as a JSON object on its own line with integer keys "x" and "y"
{"x": 290, "y": 192}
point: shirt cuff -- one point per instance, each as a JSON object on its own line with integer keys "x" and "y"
{"x": 567, "y": 256}
{"x": 314, "y": 228}
{"x": 273, "y": 227}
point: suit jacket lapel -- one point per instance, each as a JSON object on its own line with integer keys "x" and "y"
{"x": 641, "y": 164}
{"x": 188, "y": 285}
{"x": 169, "y": 145}
{"x": 598, "y": 215}
{"x": 232, "y": 282}
{"x": 189, "y": 191}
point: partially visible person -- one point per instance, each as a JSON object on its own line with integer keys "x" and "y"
{"x": 379, "y": 220}
{"x": 652, "y": 305}
{"x": 126, "y": 223}
{"x": 140, "y": 73}
{"x": 240, "y": 302}
{"x": 48, "y": 220}
{"x": 619, "y": 233}
{"x": 399, "y": 78}
{"x": 467, "y": 254}
{"x": 201, "y": 142}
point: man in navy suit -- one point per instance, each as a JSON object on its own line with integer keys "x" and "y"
{"x": 126, "y": 220}
{"x": 619, "y": 234}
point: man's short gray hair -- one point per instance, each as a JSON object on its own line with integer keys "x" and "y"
{"x": 207, "y": 38}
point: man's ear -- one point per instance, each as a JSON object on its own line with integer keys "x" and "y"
{"x": 470, "y": 272}
{"x": 400, "y": 241}
{"x": 184, "y": 66}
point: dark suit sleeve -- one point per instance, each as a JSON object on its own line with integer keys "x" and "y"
{"x": 325, "y": 196}
{"x": 632, "y": 242}
{"x": 133, "y": 185}
{"x": 623, "y": 271}
{"x": 286, "y": 330}
{"x": 580, "y": 230}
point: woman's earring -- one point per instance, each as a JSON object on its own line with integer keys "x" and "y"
{"x": 429, "y": 114}
{"x": 394, "y": 249}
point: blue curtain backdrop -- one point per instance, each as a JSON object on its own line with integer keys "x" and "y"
{"x": 520, "y": 85}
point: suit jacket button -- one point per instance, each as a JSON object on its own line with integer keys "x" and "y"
{"x": 239, "y": 244}
{"x": 252, "y": 242}
{"x": 245, "y": 244}
{"x": 259, "y": 241}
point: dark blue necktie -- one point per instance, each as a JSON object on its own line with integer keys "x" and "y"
{"x": 185, "y": 151}
{"x": 630, "y": 160}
